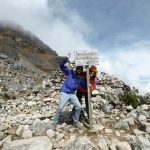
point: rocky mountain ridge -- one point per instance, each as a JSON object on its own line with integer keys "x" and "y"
{"x": 25, "y": 47}
{"x": 28, "y": 101}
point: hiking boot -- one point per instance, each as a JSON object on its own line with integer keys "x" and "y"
{"x": 77, "y": 125}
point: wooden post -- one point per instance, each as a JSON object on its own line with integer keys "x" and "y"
{"x": 89, "y": 97}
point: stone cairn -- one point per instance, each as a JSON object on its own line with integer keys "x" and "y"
{"x": 28, "y": 102}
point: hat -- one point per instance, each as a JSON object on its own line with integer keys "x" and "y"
{"x": 93, "y": 68}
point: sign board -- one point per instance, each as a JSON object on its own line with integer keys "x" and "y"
{"x": 86, "y": 57}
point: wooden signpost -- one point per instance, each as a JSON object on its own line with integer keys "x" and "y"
{"x": 87, "y": 58}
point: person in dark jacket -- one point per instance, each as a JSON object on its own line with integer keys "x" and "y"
{"x": 68, "y": 92}
{"x": 83, "y": 90}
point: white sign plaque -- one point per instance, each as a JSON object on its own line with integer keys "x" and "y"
{"x": 86, "y": 57}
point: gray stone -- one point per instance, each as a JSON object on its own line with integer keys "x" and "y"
{"x": 60, "y": 136}
{"x": 95, "y": 92}
{"x": 31, "y": 103}
{"x": 54, "y": 94}
{"x": 138, "y": 132}
{"x": 131, "y": 121}
{"x": 37, "y": 115}
{"x": 117, "y": 133}
{"x": 48, "y": 99}
{"x": 20, "y": 118}
{"x": 82, "y": 143}
{"x": 132, "y": 114}
{"x": 113, "y": 146}
{"x": 27, "y": 133}
{"x": 121, "y": 125}
{"x": 108, "y": 131}
{"x": 3, "y": 56}
{"x": 102, "y": 144}
{"x": 123, "y": 146}
{"x": 37, "y": 143}
{"x": 50, "y": 133}
{"x": 97, "y": 127}
{"x": 144, "y": 107}
{"x": 139, "y": 143}
{"x": 141, "y": 118}
{"x": 69, "y": 143}
{"x": 19, "y": 130}
{"x": 6, "y": 139}
{"x": 14, "y": 86}
{"x": 38, "y": 127}
{"x": 107, "y": 108}
{"x": 147, "y": 129}
{"x": 2, "y": 135}
{"x": 129, "y": 108}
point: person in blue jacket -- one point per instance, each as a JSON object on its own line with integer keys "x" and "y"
{"x": 68, "y": 92}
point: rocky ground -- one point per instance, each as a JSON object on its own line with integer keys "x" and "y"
{"x": 28, "y": 101}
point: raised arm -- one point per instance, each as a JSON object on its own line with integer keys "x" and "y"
{"x": 63, "y": 67}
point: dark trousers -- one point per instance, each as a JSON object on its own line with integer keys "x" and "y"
{"x": 80, "y": 95}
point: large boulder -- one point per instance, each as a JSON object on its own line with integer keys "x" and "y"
{"x": 139, "y": 142}
{"x": 82, "y": 143}
{"x": 37, "y": 143}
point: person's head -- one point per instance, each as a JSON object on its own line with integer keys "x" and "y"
{"x": 93, "y": 70}
{"x": 79, "y": 70}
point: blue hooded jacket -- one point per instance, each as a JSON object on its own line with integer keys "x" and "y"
{"x": 72, "y": 82}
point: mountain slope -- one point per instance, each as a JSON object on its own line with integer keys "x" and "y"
{"x": 20, "y": 44}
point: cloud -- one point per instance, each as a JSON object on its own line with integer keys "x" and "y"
{"x": 119, "y": 29}
{"x": 52, "y": 21}
{"x": 147, "y": 87}
{"x": 129, "y": 65}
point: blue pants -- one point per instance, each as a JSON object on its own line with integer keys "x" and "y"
{"x": 72, "y": 98}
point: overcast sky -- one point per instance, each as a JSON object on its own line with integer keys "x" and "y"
{"x": 119, "y": 29}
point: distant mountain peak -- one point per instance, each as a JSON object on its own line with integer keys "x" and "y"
{"x": 20, "y": 44}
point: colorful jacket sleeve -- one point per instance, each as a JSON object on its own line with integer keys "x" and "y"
{"x": 64, "y": 68}
{"x": 83, "y": 85}
{"x": 93, "y": 82}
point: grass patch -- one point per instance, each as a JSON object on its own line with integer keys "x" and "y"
{"x": 130, "y": 98}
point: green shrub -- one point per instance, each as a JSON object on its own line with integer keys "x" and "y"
{"x": 130, "y": 98}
